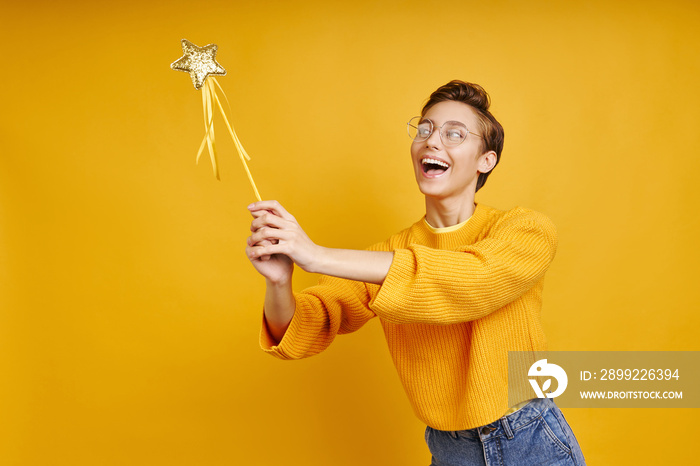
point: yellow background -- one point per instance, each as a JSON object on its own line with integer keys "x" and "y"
{"x": 129, "y": 313}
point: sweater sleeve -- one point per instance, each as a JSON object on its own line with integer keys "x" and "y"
{"x": 334, "y": 306}
{"x": 436, "y": 286}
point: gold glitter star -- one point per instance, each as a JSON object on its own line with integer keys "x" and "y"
{"x": 199, "y": 62}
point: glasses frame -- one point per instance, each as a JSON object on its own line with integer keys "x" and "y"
{"x": 432, "y": 128}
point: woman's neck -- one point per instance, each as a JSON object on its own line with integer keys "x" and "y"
{"x": 441, "y": 213}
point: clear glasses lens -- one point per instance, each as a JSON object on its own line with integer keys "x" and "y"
{"x": 419, "y": 128}
{"x": 452, "y": 133}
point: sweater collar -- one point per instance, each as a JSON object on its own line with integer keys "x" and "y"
{"x": 452, "y": 237}
{"x": 445, "y": 229}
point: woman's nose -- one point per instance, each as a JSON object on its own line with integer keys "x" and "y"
{"x": 434, "y": 139}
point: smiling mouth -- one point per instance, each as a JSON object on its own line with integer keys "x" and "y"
{"x": 432, "y": 167}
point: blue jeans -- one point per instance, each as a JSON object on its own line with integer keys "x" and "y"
{"x": 536, "y": 434}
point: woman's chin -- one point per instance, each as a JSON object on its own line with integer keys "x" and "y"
{"x": 432, "y": 191}
{"x": 441, "y": 192}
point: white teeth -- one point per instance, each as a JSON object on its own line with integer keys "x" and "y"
{"x": 436, "y": 162}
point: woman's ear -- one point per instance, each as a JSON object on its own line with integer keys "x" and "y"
{"x": 487, "y": 161}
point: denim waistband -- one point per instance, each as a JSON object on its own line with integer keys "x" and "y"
{"x": 507, "y": 424}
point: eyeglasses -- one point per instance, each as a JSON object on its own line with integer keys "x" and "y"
{"x": 452, "y": 133}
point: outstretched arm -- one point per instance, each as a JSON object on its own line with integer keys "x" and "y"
{"x": 276, "y": 231}
{"x": 277, "y": 242}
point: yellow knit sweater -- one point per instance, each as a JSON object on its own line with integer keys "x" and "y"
{"x": 452, "y": 305}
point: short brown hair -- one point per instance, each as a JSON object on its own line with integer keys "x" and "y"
{"x": 478, "y": 99}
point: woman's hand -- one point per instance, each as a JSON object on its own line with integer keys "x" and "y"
{"x": 278, "y": 236}
{"x": 277, "y": 269}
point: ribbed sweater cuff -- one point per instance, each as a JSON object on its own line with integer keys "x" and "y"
{"x": 292, "y": 338}
{"x": 401, "y": 272}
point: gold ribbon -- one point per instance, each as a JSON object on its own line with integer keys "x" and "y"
{"x": 210, "y": 100}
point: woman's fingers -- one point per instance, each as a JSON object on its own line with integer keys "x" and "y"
{"x": 269, "y": 235}
{"x": 251, "y": 243}
{"x": 267, "y": 229}
{"x": 254, "y": 250}
{"x": 264, "y": 252}
{"x": 272, "y": 206}
{"x": 271, "y": 221}
{"x": 276, "y": 232}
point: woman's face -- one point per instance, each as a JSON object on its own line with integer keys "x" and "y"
{"x": 463, "y": 161}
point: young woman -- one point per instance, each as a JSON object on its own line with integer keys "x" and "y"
{"x": 454, "y": 293}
